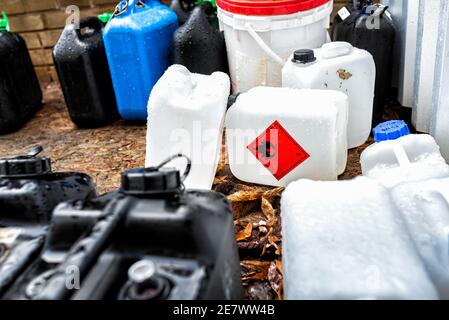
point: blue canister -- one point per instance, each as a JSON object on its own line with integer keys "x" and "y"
{"x": 138, "y": 45}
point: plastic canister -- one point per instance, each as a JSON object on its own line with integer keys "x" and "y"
{"x": 424, "y": 206}
{"x": 138, "y": 46}
{"x": 346, "y": 240}
{"x": 372, "y": 29}
{"x": 198, "y": 44}
{"x": 20, "y": 92}
{"x": 261, "y": 34}
{"x": 83, "y": 72}
{"x": 399, "y": 157}
{"x": 278, "y": 135}
{"x": 338, "y": 66}
{"x": 186, "y": 113}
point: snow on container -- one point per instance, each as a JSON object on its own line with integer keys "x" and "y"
{"x": 20, "y": 93}
{"x": 278, "y": 135}
{"x": 372, "y": 29}
{"x": 261, "y": 34}
{"x": 138, "y": 46}
{"x": 83, "y": 72}
{"x": 341, "y": 67}
{"x": 346, "y": 240}
{"x": 425, "y": 209}
{"x": 398, "y": 156}
{"x": 186, "y": 113}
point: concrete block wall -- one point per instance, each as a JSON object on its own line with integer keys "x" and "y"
{"x": 40, "y": 23}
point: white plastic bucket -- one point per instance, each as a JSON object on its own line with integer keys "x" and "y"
{"x": 258, "y": 46}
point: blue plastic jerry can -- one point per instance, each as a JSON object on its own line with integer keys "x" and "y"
{"x": 138, "y": 46}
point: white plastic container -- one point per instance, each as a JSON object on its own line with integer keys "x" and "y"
{"x": 278, "y": 135}
{"x": 261, "y": 34}
{"x": 408, "y": 158}
{"x": 186, "y": 115}
{"x": 338, "y": 66}
{"x": 425, "y": 208}
{"x": 346, "y": 240}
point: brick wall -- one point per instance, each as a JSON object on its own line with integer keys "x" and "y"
{"x": 40, "y": 23}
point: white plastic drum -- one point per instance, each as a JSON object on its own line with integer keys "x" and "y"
{"x": 261, "y": 34}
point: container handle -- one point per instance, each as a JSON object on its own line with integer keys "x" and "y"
{"x": 92, "y": 23}
{"x": 401, "y": 156}
{"x": 270, "y": 53}
{"x": 123, "y": 5}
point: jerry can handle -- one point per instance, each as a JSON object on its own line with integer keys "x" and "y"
{"x": 91, "y": 22}
{"x": 132, "y": 5}
{"x": 336, "y": 49}
{"x": 188, "y": 5}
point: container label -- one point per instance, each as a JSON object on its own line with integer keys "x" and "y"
{"x": 344, "y": 13}
{"x": 278, "y": 151}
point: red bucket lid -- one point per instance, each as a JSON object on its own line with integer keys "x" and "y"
{"x": 269, "y": 7}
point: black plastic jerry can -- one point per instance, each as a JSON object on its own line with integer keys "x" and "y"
{"x": 20, "y": 92}
{"x": 183, "y": 9}
{"x": 199, "y": 45}
{"x": 83, "y": 72}
{"x": 152, "y": 240}
{"x": 370, "y": 27}
{"x": 29, "y": 191}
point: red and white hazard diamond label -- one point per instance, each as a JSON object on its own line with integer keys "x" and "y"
{"x": 278, "y": 151}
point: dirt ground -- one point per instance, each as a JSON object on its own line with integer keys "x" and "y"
{"x": 104, "y": 153}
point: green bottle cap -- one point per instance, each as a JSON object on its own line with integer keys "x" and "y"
{"x": 4, "y": 22}
{"x": 105, "y": 17}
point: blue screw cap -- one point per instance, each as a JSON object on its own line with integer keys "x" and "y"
{"x": 390, "y": 130}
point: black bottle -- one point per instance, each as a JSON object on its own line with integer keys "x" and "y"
{"x": 29, "y": 191}
{"x": 83, "y": 72}
{"x": 199, "y": 45}
{"x": 183, "y": 9}
{"x": 152, "y": 240}
{"x": 369, "y": 27}
{"x": 20, "y": 92}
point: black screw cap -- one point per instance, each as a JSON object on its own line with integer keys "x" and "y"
{"x": 151, "y": 181}
{"x": 304, "y": 56}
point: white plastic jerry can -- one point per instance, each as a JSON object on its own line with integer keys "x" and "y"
{"x": 425, "y": 208}
{"x": 338, "y": 66}
{"x": 398, "y": 156}
{"x": 278, "y": 135}
{"x": 186, "y": 114}
{"x": 346, "y": 240}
